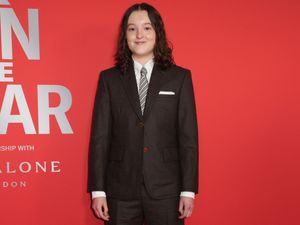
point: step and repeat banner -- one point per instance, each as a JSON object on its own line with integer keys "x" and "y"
{"x": 244, "y": 58}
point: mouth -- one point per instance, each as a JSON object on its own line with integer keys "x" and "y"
{"x": 140, "y": 42}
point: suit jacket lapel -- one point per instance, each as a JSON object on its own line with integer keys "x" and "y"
{"x": 129, "y": 83}
{"x": 157, "y": 79}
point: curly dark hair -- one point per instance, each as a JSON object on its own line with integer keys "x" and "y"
{"x": 163, "y": 56}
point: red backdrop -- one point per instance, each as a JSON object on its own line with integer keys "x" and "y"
{"x": 244, "y": 56}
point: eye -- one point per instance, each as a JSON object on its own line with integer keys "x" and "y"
{"x": 131, "y": 29}
{"x": 148, "y": 28}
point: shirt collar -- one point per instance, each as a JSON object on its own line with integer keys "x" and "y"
{"x": 148, "y": 65}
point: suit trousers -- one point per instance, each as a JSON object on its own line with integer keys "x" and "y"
{"x": 146, "y": 210}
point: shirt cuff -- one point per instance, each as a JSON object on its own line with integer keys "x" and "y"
{"x": 188, "y": 194}
{"x": 96, "y": 194}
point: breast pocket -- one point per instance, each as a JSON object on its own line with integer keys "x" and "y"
{"x": 170, "y": 97}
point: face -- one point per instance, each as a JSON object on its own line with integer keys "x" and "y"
{"x": 140, "y": 35}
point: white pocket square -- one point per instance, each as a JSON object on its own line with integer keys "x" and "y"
{"x": 166, "y": 93}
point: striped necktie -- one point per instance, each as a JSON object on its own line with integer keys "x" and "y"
{"x": 143, "y": 87}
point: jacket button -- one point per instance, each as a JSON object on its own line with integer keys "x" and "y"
{"x": 141, "y": 124}
{"x": 146, "y": 149}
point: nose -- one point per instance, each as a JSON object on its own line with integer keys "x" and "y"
{"x": 139, "y": 33}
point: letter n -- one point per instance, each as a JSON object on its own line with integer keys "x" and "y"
{"x": 9, "y": 22}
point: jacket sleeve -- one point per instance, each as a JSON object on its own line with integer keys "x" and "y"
{"x": 100, "y": 137}
{"x": 188, "y": 136}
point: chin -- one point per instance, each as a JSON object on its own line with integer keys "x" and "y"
{"x": 141, "y": 55}
{"x": 142, "y": 52}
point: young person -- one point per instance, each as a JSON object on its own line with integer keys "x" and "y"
{"x": 143, "y": 159}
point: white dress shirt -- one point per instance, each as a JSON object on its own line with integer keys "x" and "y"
{"x": 137, "y": 70}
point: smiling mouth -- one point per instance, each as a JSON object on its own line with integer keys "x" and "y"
{"x": 140, "y": 43}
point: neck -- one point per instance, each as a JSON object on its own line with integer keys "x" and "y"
{"x": 142, "y": 59}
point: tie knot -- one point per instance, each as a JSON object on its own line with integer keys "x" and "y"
{"x": 143, "y": 71}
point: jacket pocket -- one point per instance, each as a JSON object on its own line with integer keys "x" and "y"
{"x": 170, "y": 154}
{"x": 116, "y": 153}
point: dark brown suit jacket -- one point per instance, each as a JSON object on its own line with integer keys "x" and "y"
{"x": 160, "y": 146}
